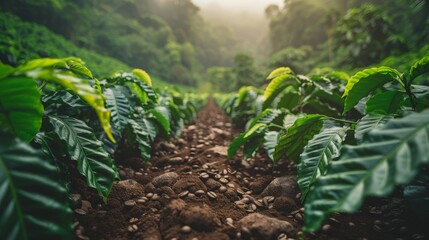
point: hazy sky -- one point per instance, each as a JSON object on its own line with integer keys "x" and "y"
{"x": 254, "y": 6}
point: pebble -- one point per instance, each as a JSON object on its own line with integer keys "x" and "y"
{"x": 200, "y": 192}
{"x": 282, "y": 236}
{"x": 130, "y": 203}
{"x": 326, "y": 228}
{"x": 204, "y": 175}
{"x": 183, "y": 194}
{"x": 80, "y": 211}
{"x": 186, "y": 229}
{"x": 212, "y": 195}
{"x": 133, "y": 228}
{"x": 223, "y": 180}
{"x": 155, "y": 197}
{"x": 149, "y": 195}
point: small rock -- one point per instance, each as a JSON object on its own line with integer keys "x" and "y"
{"x": 176, "y": 160}
{"x": 186, "y": 229}
{"x": 148, "y": 188}
{"x": 264, "y": 227}
{"x": 213, "y": 184}
{"x": 199, "y": 192}
{"x": 130, "y": 203}
{"x": 183, "y": 194}
{"x": 86, "y": 205}
{"x": 284, "y": 204}
{"x": 219, "y": 150}
{"x": 326, "y": 228}
{"x": 133, "y": 228}
{"x": 282, "y": 186}
{"x": 259, "y": 184}
{"x": 212, "y": 195}
{"x": 80, "y": 211}
{"x": 165, "y": 179}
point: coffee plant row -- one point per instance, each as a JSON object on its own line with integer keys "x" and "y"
{"x": 352, "y": 137}
{"x": 53, "y": 111}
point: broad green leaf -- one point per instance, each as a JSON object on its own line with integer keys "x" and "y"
{"x": 124, "y": 78}
{"x": 388, "y": 156}
{"x": 77, "y": 66}
{"x": 21, "y": 111}
{"x": 33, "y": 204}
{"x": 267, "y": 116}
{"x": 142, "y": 75}
{"x": 162, "y": 120}
{"x": 316, "y": 106}
{"x": 64, "y": 98}
{"x": 276, "y": 86}
{"x": 251, "y": 146}
{"x": 270, "y": 142}
{"x": 279, "y": 71}
{"x": 119, "y": 108}
{"x": 257, "y": 127}
{"x": 83, "y": 89}
{"x": 93, "y": 161}
{"x": 368, "y": 123}
{"x": 236, "y": 144}
{"x": 419, "y": 68}
{"x": 143, "y": 133}
{"x": 317, "y": 155}
{"x": 292, "y": 143}
{"x": 388, "y": 102}
{"x": 241, "y": 139}
{"x": 5, "y": 70}
{"x": 365, "y": 82}
{"x": 289, "y": 99}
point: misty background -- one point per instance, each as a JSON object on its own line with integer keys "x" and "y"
{"x": 215, "y": 45}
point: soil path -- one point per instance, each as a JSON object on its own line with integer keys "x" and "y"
{"x": 190, "y": 190}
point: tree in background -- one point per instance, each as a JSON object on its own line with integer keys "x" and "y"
{"x": 366, "y": 35}
{"x": 245, "y": 71}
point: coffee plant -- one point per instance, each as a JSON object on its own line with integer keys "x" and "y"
{"x": 352, "y": 137}
{"x": 53, "y": 111}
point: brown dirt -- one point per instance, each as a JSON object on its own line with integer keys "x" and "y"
{"x": 201, "y": 149}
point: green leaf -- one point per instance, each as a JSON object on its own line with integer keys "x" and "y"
{"x": 244, "y": 137}
{"x": 252, "y": 145}
{"x": 365, "y": 82}
{"x": 142, "y": 75}
{"x": 21, "y": 111}
{"x": 267, "y": 116}
{"x": 292, "y": 142}
{"x": 63, "y": 98}
{"x": 276, "y": 86}
{"x": 388, "y": 102}
{"x": 93, "y": 161}
{"x": 317, "y": 155}
{"x": 77, "y": 66}
{"x": 270, "y": 143}
{"x": 419, "y": 68}
{"x": 33, "y": 204}
{"x": 289, "y": 99}
{"x": 236, "y": 144}
{"x": 368, "y": 123}
{"x": 5, "y": 70}
{"x": 119, "y": 108}
{"x": 83, "y": 89}
{"x": 279, "y": 71}
{"x": 388, "y": 156}
{"x": 144, "y": 133}
{"x": 124, "y": 78}
{"x": 162, "y": 120}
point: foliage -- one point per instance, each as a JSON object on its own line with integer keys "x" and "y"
{"x": 385, "y": 123}
{"x": 56, "y": 104}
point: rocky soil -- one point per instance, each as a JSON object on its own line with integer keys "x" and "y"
{"x": 190, "y": 190}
